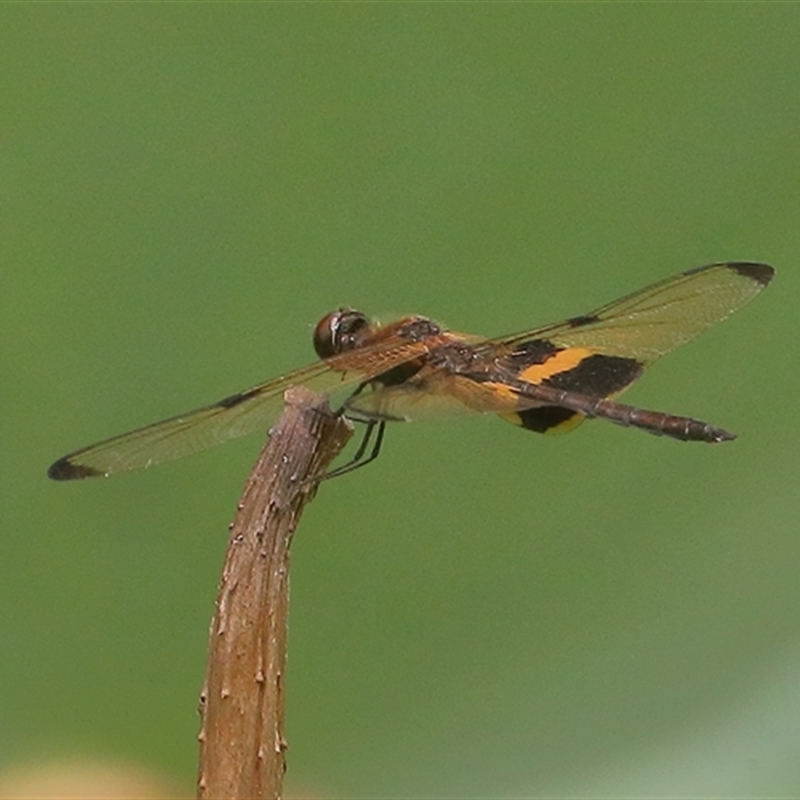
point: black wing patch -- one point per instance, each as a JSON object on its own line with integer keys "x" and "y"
{"x": 598, "y": 375}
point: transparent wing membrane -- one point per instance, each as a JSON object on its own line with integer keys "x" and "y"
{"x": 252, "y": 410}
{"x": 649, "y": 323}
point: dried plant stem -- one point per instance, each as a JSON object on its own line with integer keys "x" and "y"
{"x": 242, "y": 704}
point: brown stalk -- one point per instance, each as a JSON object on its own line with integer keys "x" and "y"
{"x": 242, "y": 745}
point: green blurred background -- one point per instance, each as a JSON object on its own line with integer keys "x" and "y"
{"x": 187, "y": 188}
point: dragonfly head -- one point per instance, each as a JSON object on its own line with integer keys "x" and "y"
{"x": 340, "y": 331}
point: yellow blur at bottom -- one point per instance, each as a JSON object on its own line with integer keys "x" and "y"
{"x": 87, "y": 780}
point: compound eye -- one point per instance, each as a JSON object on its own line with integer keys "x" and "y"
{"x": 340, "y": 331}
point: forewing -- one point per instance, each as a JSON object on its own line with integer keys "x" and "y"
{"x": 653, "y": 321}
{"x": 239, "y": 414}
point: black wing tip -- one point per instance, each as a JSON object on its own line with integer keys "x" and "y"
{"x": 760, "y": 273}
{"x": 65, "y": 470}
{"x": 754, "y": 270}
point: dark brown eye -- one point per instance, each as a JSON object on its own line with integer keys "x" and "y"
{"x": 340, "y": 331}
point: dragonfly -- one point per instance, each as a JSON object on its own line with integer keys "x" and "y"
{"x": 547, "y": 379}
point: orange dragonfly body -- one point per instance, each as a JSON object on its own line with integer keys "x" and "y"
{"x": 546, "y": 379}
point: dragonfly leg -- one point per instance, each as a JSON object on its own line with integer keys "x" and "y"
{"x": 358, "y": 459}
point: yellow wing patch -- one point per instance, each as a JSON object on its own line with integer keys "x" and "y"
{"x": 561, "y": 361}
